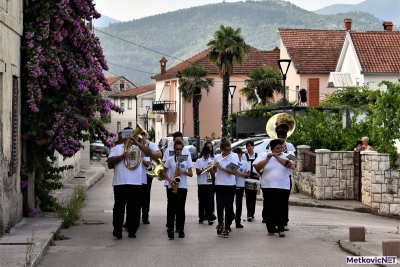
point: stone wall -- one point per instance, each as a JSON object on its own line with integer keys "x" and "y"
{"x": 333, "y": 177}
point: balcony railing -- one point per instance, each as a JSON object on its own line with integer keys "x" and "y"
{"x": 164, "y": 107}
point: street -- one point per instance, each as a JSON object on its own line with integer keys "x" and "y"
{"x": 311, "y": 240}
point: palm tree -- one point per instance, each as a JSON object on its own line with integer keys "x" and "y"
{"x": 264, "y": 81}
{"x": 228, "y": 49}
{"x": 193, "y": 80}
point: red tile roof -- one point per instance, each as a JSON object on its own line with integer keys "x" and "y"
{"x": 112, "y": 80}
{"x": 378, "y": 51}
{"x": 313, "y": 51}
{"x": 137, "y": 91}
{"x": 255, "y": 59}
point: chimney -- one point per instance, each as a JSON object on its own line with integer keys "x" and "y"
{"x": 163, "y": 65}
{"x": 347, "y": 24}
{"x": 387, "y": 26}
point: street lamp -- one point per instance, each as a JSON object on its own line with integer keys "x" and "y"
{"x": 198, "y": 122}
{"x": 232, "y": 89}
{"x": 147, "y": 118}
{"x": 282, "y": 63}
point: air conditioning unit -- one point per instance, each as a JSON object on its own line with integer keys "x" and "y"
{"x": 158, "y": 118}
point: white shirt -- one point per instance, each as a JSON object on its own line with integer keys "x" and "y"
{"x": 122, "y": 175}
{"x": 274, "y": 175}
{"x": 185, "y": 151}
{"x": 221, "y": 177}
{"x": 170, "y": 164}
{"x": 201, "y": 163}
{"x": 153, "y": 147}
{"x": 244, "y": 167}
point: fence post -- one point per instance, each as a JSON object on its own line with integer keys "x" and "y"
{"x": 300, "y": 156}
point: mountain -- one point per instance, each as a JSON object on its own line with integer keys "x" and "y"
{"x": 104, "y": 21}
{"x": 181, "y": 34}
{"x": 383, "y": 9}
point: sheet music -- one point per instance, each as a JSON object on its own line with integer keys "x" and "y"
{"x": 127, "y": 133}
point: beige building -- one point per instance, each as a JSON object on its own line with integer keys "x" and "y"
{"x": 173, "y": 114}
{"x": 11, "y": 30}
{"x": 137, "y": 104}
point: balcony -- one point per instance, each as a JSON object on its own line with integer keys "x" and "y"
{"x": 162, "y": 107}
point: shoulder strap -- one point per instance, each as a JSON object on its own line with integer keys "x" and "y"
{"x": 247, "y": 156}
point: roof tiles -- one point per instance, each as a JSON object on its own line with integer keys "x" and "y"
{"x": 377, "y": 51}
{"x": 313, "y": 51}
{"x": 136, "y": 91}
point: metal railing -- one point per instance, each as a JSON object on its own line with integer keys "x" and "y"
{"x": 309, "y": 162}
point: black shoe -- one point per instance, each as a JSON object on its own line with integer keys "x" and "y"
{"x": 181, "y": 234}
{"x": 117, "y": 234}
{"x": 250, "y": 219}
{"x": 200, "y": 221}
{"x": 171, "y": 235}
{"x": 238, "y": 225}
{"x": 124, "y": 226}
{"x": 146, "y": 221}
{"x": 132, "y": 235}
{"x": 210, "y": 222}
{"x": 213, "y": 217}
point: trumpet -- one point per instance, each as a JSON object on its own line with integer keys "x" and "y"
{"x": 207, "y": 170}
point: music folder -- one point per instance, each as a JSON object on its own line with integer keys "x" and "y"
{"x": 127, "y": 133}
{"x": 291, "y": 157}
{"x": 182, "y": 158}
{"x": 232, "y": 166}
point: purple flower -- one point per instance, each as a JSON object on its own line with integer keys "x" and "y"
{"x": 31, "y": 209}
{"x": 23, "y": 184}
{"x": 25, "y": 136}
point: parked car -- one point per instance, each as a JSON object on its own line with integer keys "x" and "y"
{"x": 99, "y": 147}
{"x": 240, "y": 143}
{"x": 186, "y": 143}
{"x": 262, "y": 145}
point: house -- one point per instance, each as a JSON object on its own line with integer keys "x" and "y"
{"x": 118, "y": 84}
{"x": 11, "y": 30}
{"x": 368, "y": 57}
{"x": 173, "y": 114}
{"x": 314, "y": 55}
{"x": 137, "y": 104}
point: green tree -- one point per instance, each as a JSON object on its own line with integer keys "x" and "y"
{"x": 194, "y": 79}
{"x": 264, "y": 81}
{"x": 228, "y": 49}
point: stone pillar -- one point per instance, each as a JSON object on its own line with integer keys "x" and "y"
{"x": 323, "y": 189}
{"x": 300, "y": 156}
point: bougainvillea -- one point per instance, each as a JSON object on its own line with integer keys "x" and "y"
{"x": 62, "y": 79}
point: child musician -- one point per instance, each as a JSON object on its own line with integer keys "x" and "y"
{"x": 243, "y": 172}
{"x": 177, "y": 201}
{"x": 204, "y": 184}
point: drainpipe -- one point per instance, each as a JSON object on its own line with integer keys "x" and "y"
{"x": 136, "y": 110}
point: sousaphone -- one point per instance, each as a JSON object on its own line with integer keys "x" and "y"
{"x": 280, "y": 120}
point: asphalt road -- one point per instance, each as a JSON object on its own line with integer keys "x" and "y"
{"x": 311, "y": 240}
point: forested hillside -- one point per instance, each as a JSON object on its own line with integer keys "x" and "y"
{"x": 384, "y": 9}
{"x": 183, "y": 33}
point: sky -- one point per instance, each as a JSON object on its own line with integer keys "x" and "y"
{"x": 125, "y": 10}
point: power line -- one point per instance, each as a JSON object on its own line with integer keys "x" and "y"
{"x": 108, "y": 62}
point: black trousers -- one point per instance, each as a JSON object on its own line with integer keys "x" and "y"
{"x": 205, "y": 196}
{"x": 251, "y": 198}
{"x": 176, "y": 209}
{"x": 239, "y": 203}
{"x": 129, "y": 196}
{"x": 146, "y": 190}
{"x": 275, "y": 208}
{"x": 225, "y": 195}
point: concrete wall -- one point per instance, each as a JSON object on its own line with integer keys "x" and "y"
{"x": 75, "y": 161}
{"x": 10, "y": 57}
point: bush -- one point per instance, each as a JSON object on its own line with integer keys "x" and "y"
{"x": 70, "y": 212}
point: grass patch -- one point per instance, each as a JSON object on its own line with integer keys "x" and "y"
{"x": 69, "y": 212}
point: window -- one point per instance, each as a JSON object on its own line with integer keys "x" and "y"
{"x": 118, "y": 126}
{"x": 122, "y": 103}
{"x": 116, "y": 101}
{"x": 121, "y": 86}
{"x": 129, "y": 103}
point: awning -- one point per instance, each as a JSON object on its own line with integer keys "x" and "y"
{"x": 340, "y": 80}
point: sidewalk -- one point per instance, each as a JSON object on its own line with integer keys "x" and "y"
{"x": 31, "y": 237}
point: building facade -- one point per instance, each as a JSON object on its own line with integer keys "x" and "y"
{"x": 11, "y": 30}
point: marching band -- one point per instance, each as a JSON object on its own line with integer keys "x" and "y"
{"x": 229, "y": 174}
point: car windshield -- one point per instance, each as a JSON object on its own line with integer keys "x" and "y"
{"x": 185, "y": 142}
{"x": 97, "y": 142}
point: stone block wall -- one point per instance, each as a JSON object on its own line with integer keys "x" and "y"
{"x": 380, "y": 184}
{"x": 333, "y": 177}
